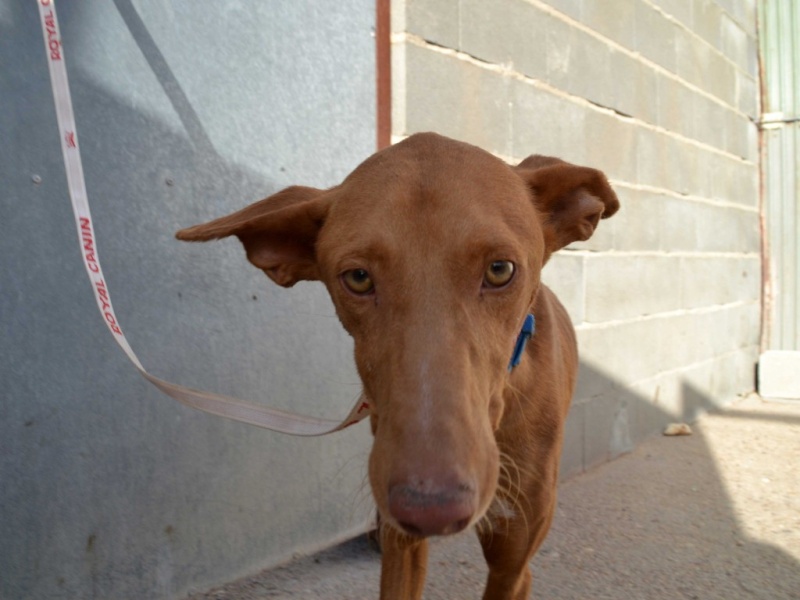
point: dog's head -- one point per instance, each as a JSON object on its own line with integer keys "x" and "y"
{"x": 431, "y": 251}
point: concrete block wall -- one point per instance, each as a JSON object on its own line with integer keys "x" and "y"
{"x": 660, "y": 94}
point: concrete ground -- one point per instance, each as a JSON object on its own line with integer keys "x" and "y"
{"x": 714, "y": 515}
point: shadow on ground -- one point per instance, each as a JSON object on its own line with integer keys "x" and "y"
{"x": 714, "y": 515}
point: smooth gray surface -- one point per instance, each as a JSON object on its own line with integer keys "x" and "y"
{"x": 185, "y": 111}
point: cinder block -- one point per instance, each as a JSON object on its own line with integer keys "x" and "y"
{"x": 706, "y": 20}
{"x": 591, "y": 70}
{"x": 733, "y": 180}
{"x": 628, "y": 351}
{"x": 572, "y": 451}
{"x": 749, "y": 140}
{"x": 544, "y": 123}
{"x": 638, "y": 350}
{"x": 694, "y": 390}
{"x": 571, "y": 8}
{"x": 594, "y": 380}
{"x": 725, "y": 329}
{"x": 615, "y": 19}
{"x": 692, "y": 176}
{"x": 675, "y": 105}
{"x": 561, "y": 40}
{"x": 700, "y": 65}
{"x": 637, "y": 226}
{"x": 720, "y": 79}
{"x": 708, "y": 386}
{"x": 508, "y": 32}
{"x": 662, "y": 395}
{"x": 709, "y": 122}
{"x": 564, "y": 274}
{"x": 693, "y": 58}
{"x": 753, "y": 142}
{"x": 434, "y": 20}
{"x": 736, "y": 9}
{"x": 573, "y": 57}
{"x": 612, "y": 144}
{"x": 706, "y": 281}
{"x": 690, "y": 226}
{"x": 648, "y": 221}
{"x": 680, "y": 224}
{"x": 680, "y": 10}
{"x": 621, "y": 417}
{"x": 750, "y": 329}
{"x": 741, "y": 136}
{"x": 607, "y": 432}
{"x": 748, "y": 184}
{"x": 625, "y": 287}
{"x": 655, "y": 36}
{"x": 634, "y": 91}
{"x": 647, "y": 94}
{"x": 728, "y": 329}
{"x": 705, "y": 180}
{"x": 749, "y": 326}
{"x": 747, "y": 99}
{"x": 734, "y": 42}
{"x": 740, "y": 230}
{"x": 457, "y": 99}
{"x": 690, "y": 338}
{"x": 748, "y": 19}
{"x": 658, "y": 159}
{"x": 752, "y": 54}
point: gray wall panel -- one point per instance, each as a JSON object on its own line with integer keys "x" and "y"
{"x": 185, "y": 111}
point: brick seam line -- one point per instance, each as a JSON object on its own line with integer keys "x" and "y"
{"x": 502, "y": 70}
{"x": 665, "y": 373}
{"x": 643, "y": 187}
{"x": 693, "y": 33}
{"x": 669, "y": 314}
{"x": 546, "y": 8}
{"x": 640, "y": 187}
{"x": 658, "y": 253}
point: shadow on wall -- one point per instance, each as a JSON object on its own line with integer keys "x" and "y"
{"x": 110, "y": 489}
{"x": 166, "y": 78}
{"x": 658, "y": 523}
{"x": 608, "y": 418}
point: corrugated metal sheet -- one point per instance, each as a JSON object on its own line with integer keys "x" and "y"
{"x": 780, "y": 52}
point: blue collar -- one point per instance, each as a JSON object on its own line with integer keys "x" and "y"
{"x": 528, "y": 329}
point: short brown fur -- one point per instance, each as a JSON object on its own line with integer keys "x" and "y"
{"x": 459, "y": 439}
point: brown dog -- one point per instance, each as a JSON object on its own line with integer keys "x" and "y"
{"x": 432, "y": 252}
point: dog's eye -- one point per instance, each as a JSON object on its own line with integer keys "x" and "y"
{"x": 499, "y": 273}
{"x": 358, "y": 281}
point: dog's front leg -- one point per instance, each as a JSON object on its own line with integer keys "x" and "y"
{"x": 404, "y": 563}
{"x": 509, "y": 545}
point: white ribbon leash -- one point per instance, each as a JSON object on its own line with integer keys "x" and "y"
{"x": 216, "y": 404}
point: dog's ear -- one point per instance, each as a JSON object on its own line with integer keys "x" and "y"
{"x": 572, "y": 199}
{"x": 279, "y": 233}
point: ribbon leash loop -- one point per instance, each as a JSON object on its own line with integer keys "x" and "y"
{"x": 216, "y": 404}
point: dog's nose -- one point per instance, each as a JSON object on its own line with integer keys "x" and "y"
{"x": 424, "y": 513}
